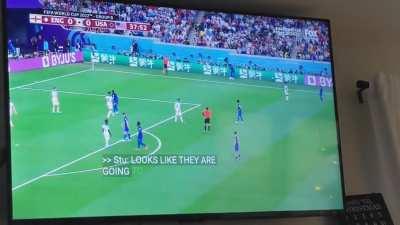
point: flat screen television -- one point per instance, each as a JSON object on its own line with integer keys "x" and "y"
{"x": 125, "y": 111}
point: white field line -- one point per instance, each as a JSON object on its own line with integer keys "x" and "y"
{"x": 206, "y": 81}
{"x": 94, "y": 152}
{"x": 75, "y": 172}
{"x": 99, "y": 95}
{"x": 159, "y": 145}
{"x": 63, "y": 166}
{"x": 50, "y": 79}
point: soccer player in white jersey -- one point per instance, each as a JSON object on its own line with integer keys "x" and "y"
{"x": 178, "y": 111}
{"x": 92, "y": 60}
{"x": 106, "y": 133}
{"x": 286, "y": 90}
{"x": 55, "y": 101}
{"x": 109, "y": 104}
{"x": 13, "y": 111}
{"x": 93, "y": 57}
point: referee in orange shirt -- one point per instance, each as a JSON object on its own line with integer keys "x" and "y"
{"x": 207, "y": 119}
{"x": 165, "y": 65}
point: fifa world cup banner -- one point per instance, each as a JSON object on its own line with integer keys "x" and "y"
{"x": 51, "y": 60}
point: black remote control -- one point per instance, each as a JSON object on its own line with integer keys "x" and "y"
{"x": 369, "y": 209}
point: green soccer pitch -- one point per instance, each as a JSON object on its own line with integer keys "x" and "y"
{"x": 289, "y": 152}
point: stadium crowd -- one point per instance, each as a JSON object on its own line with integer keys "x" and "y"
{"x": 169, "y": 25}
{"x": 253, "y": 35}
{"x": 257, "y": 35}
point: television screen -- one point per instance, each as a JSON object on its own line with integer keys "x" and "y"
{"x": 135, "y": 110}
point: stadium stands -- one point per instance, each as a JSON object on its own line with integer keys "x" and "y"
{"x": 252, "y": 35}
{"x": 260, "y": 36}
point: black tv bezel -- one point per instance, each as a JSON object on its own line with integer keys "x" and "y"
{"x": 170, "y": 217}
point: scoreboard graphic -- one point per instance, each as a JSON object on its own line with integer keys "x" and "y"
{"x": 88, "y": 23}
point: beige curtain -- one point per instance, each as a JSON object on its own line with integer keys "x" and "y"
{"x": 383, "y": 164}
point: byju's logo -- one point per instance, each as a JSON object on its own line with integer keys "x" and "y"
{"x": 58, "y": 59}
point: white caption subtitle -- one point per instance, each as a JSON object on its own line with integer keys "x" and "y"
{"x": 203, "y": 160}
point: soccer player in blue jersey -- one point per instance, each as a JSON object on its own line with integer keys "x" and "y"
{"x": 140, "y": 136}
{"x": 321, "y": 93}
{"x": 239, "y": 112}
{"x": 115, "y": 101}
{"x": 125, "y": 127}
{"x": 231, "y": 72}
{"x": 236, "y": 147}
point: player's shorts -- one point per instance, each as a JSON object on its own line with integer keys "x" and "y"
{"x": 207, "y": 120}
{"x": 165, "y": 66}
{"x": 110, "y": 106}
{"x": 106, "y": 136}
{"x": 178, "y": 113}
{"x": 55, "y": 101}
